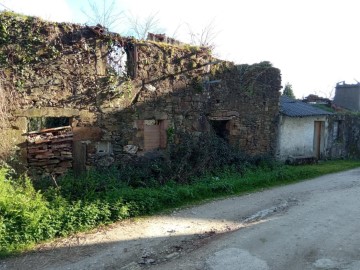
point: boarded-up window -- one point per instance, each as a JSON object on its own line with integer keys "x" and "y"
{"x": 49, "y": 151}
{"x": 155, "y": 134}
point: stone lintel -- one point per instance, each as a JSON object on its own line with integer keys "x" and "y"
{"x": 47, "y": 111}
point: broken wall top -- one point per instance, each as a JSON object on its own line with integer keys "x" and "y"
{"x": 66, "y": 65}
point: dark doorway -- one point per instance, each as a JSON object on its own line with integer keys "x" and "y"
{"x": 221, "y": 128}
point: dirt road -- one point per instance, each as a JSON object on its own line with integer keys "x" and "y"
{"x": 310, "y": 225}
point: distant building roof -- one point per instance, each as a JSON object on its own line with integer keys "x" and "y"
{"x": 314, "y": 99}
{"x": 295, "y": 108}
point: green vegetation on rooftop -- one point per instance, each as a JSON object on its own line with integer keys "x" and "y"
{"x": 324, "y": 107}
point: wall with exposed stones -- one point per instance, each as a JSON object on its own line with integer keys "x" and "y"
{"x": 117, "y": 107}
{"x": 344, "y": 136}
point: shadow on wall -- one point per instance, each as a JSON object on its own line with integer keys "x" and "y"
{"x": 240, "y": 117}
{"x": 174, "y": 89}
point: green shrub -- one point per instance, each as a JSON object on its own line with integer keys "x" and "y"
{"x": 21, "y": 210}
{"x": 191, "y": 158}
{"x": 28, "y": 216}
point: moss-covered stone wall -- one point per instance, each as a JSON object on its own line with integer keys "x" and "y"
{"x": 344, "y": 136}
{"x": 67, "y": 70}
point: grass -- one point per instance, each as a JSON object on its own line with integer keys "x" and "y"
{"x": 28, "y": 216}
{"x": 229, "y": 182}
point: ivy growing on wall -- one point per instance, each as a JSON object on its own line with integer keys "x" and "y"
{"x": 24, "y": 41}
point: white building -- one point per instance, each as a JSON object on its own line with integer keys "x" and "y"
{"x": 302, "y": 130}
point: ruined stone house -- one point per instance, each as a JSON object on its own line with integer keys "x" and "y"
{"x": 82, "y": 95}
{"x": 344, "y": 136}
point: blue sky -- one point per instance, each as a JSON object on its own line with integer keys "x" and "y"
{"x": 314, "y": 43}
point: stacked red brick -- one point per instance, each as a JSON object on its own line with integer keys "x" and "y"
{"x": 50, "y": 150}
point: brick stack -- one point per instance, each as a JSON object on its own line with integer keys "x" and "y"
{"x": 49, "y": 151}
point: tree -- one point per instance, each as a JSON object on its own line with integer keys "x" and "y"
{"x": 139, "y": 28}
{"x": 106, "y": 13}
{"x": 206, "y": 36}
{"x": 288, "y": 91}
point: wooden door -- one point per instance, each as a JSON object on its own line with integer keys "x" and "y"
{"x": 79, "y": 153}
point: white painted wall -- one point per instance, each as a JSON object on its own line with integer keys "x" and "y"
{"x": 296, "y": 136}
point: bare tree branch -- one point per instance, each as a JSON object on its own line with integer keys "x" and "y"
{"x": 206, "y": 37}
{"x": 139, "y": 28}
{"x": 5, "y": 7}
{"x": 106, "y": 13}
{"x": 176, "y": 31}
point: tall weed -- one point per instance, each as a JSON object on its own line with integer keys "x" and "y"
{"x": 28, "y": 216}
{"x": 22, "y": 212}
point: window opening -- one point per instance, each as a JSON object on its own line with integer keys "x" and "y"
{"x": 221, "y": 128}
{"x": 39, "y": 123}
{"x": 117, "y": 59}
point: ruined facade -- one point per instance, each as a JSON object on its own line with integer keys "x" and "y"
{"x": 344, "y": 136}
{"x": 121, "y": 96}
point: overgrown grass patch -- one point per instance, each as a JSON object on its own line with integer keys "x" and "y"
{"x": 28, "y": 216}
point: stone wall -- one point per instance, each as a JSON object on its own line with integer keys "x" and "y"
{"x": 117, "y": 107}
{"x": 249, "y": 97}
{"x": 344, "y": 136}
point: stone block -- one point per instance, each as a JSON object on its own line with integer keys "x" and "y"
{"x": 231, "y": 113}
{"x": 161, "y": 115}
{"x": 130, "y": 149}
{"x": 47, "y": 111}
{"x": 87, "y": 116}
